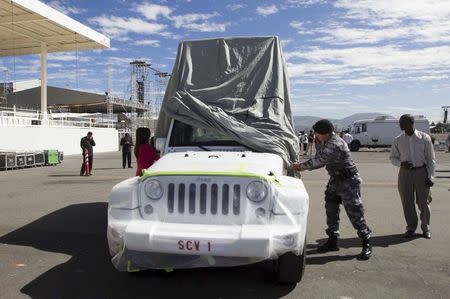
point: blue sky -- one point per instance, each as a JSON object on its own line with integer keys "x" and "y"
{"x": 343, "y": 56}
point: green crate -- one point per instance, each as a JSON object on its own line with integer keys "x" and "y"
{"x": 51, "y": 157}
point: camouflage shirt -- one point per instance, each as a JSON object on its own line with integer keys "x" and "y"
{"x": 335, "y": 155}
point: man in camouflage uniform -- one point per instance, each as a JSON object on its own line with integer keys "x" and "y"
{"x": 343, "y": 187}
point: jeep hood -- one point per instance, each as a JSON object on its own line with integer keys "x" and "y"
{"x": 217, "y": 163}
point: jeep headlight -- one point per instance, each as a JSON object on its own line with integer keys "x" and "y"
{"x": 256, "y": 191}
{"x": 153, "y": 189}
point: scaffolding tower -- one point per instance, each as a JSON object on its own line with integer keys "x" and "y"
{"x": 147, "y": 86}
{"x": 159, "y": 88}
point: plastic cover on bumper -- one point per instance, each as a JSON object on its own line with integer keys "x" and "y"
{"x": 159, "y": 242}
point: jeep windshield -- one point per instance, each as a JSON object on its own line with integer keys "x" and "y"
{"x": 186, "y": 135}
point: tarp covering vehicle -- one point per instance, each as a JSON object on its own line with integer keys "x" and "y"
{"x": 237, "y": 86}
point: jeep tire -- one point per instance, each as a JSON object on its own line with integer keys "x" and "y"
{"x": 289, "y": 267}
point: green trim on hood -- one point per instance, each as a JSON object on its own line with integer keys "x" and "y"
{"x": 148, "y": 174}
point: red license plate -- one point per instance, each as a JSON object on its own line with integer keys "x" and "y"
{"x": 194, "y": 245}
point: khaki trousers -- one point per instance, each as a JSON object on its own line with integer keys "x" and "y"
{"x": 413, "y": 190}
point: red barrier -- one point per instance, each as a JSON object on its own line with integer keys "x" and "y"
{"x": 86, "y": 161}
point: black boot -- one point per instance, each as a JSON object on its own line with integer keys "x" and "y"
{"x": 330, "y": 245}
{"x": 366, "y": 251}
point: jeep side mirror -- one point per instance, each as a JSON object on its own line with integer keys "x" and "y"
{"x": 160, "y": 144}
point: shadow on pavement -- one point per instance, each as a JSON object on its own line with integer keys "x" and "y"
{"x": 80, "y": 231}
{"x": 321, "y": 260}
{"x": 85, "y": 180}
{"x": 376, "y": 241}
{"x": 62, "y": 175}
{"x": 108, "y": 168}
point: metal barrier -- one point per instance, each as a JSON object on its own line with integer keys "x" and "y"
{"x": 29, "y": 119}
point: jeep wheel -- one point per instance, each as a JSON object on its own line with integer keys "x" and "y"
{"x": 354, "y": 146}
{"x": 289, "y": 267}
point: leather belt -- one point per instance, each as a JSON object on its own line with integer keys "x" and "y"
{"x": 414, "y": 168}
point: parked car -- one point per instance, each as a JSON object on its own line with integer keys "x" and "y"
{"x": 221, "y": 195}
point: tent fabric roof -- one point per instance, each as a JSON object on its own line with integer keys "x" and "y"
{"x": 25, "y": 24}
{"x": 75, "y": 100}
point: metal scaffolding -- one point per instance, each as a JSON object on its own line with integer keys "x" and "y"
{"x": 147, "y": 87}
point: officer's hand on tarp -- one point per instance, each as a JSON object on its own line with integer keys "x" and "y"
{"x": 429, "y": 183}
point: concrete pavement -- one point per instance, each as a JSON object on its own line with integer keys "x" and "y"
{"x": 53, "y": 242}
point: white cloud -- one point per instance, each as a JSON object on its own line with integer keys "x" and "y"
{"x": 207, "y": 27}
{"x": 120, "y": 27}
{"x": 431, "y": 77}
{"x": 424, "y": 10}
{"x": 148, "y": 42}
{"x": 235, "y": 6}
{"x": 64, "y": 7}
{"x": 374, "y": 21}
{"x": 118, "y": 60}
{"x": 68, "y": 56}
{"x": 368, "y": 65}
{"x": 286, "y": 42}
{"x": 305, "y": 2}
{"x": 199, "y": 22}
{"x": 267, "y": 10}
{"x": 362, "y": 81}
{"x": 152, "y": 11}
{"x": 380, "y": 58}
{"x": 300, "y": 27}
{"x": 342, "y": 35}
{"x": 182, "y": 20}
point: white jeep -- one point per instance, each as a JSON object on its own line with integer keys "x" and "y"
{"x": 210, "y": 201}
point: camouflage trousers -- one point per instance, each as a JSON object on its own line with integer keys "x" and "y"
{"x": 346, "y": 192}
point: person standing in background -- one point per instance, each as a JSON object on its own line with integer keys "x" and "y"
{"x": 145, "y": 153}
{"x": 309, "y": 149}
{"x": 86, "y": 144}
{"x": 413, "y": 152}
{"x": 126, "y": 143}
{"x": 304, "y": 141}
{"x": 347, "y": 137}
{"x": 447, "y": 142}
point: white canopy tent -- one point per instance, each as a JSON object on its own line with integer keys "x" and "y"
{"x": 32, "y": 27}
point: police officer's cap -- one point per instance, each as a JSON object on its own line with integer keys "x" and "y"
{"x": 323, "y": 126}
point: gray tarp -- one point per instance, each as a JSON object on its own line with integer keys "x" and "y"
{"x": 238, "y": 86}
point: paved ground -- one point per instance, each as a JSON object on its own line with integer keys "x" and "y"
{"x": 53, "y": 244}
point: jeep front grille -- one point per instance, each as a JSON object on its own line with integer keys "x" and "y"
{"x": 204, "y": 199}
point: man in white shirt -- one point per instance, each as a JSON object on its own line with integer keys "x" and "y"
{"x": 347, "y": 138}
{"x": 413, "y": 152}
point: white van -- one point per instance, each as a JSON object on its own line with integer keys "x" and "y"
{"x": 381, "y": 131}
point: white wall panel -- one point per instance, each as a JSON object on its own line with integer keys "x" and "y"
{"x": 63, "y": 139}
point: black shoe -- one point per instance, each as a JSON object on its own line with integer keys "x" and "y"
{"x": 81, "y": 174}
{"x": 409, "y": 234}
{"x": 366, "y": 251}
{"x": 330, "y": 245}
{"x": 130, "y": 166}
{"x": 427, "y": 234}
